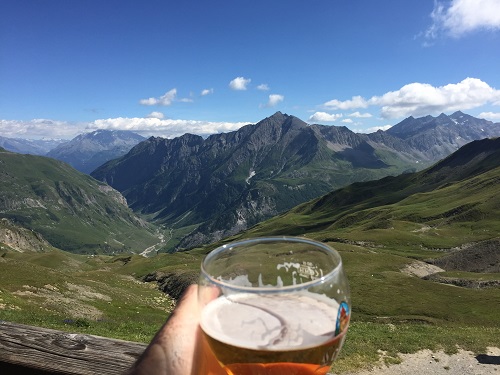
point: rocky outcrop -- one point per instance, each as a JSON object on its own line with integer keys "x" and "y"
{"x": 21, "y": 239}
{"x": 475, "y": 257}
{"x": 172, "y": 283}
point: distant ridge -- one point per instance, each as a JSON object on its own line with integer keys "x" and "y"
{"x": 88, "y": 151}
{"x": 29, "y": 146}
{"x": 433, "y": 138}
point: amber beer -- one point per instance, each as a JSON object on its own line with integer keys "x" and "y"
{"x": 298, "y": 334}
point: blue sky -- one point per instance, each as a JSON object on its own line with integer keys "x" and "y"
{"x": 165, "y": 68}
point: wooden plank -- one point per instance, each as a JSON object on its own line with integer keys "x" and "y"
{"x": 48, "y": 351}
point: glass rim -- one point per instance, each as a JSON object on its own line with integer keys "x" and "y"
{"x": 272, "y": 289}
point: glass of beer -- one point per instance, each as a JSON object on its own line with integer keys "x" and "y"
{"x": 274, "y": 305}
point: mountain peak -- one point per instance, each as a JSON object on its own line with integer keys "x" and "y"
{"x": 277, "y": 117}
{"x": 458, "y": 114}
{"x": 284, "y": 120}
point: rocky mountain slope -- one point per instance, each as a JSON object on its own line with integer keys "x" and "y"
{"x": 66, "y": 208}
{"x": 450, "y": 212}
{"x": 14, "y": 237}
{"x": 227, "y": 182}
{"x": 88, "y": 151}
{"x": 433, "y": 138}
{"x": 215, "y": 187}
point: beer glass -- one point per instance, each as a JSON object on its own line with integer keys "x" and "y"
{"x": 274, "y": 306}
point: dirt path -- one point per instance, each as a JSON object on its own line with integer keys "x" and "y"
{"x": 439, "y": 363}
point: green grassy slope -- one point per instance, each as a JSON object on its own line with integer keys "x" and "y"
{"x": 79, "y": 293}
{"x": 71, "y": 210}
{"x": 413, "y": 214}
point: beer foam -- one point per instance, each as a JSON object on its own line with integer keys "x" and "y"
{"x": 271, "y": 322}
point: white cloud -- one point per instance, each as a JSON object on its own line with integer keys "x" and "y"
{"x": 40, "y": 129}
{"x": 347, "y": 121}
{"x": 153, "y": 125}
{"x": 274, "y": 99}
{"x": 167, "y": 128}
{"x": 459, "y": 17}
{"x": 156, "y": 115}
{"x": 239, "y": 83}
{"x": 355, "y": 102}
{"x": 263, "y": 87}
{"x": 419, "y": 99}
{"x": 492, "y": 116}
{"x": 207, "y": 92}
{"x": 360, "y": 115}
{"x": 324, "y": 117}
{"x": 165, "y": 100}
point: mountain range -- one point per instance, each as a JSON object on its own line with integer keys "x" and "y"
{"x": 88, "y": 151}
{"x": 85, "y": 152}
{"x": 202, "y": 190}
{"x": 208, "y": 189}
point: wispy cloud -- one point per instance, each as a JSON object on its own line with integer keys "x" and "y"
{"x": 159, "y": 115}
{"x": 355, "y": 102}
{"x": 324, "y": 117}
{"x": 165, "y": 100}
{"x": 207, "y": 92}
{"x": 167, "y": 128}
{"x": 40, "y": 129}
{"x": 263, "y": 87}
{"x": 419, "y": 99}
{"x": 360, "y": 115}
{"x": 239, "y": 83}
{"x": 274, "y": 100}
{"x": 492, "y": 116}
{"x": 458, "y": 17}
{"x": 153, "y": 124}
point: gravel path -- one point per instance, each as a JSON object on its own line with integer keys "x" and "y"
{"x": 439, "y": 363}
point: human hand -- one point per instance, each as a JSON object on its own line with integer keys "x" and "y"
{"x": 178, "y": 348}
{"x": 171, "y": 351}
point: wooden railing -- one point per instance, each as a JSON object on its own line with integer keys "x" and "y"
{"x": 40, "y": 351}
